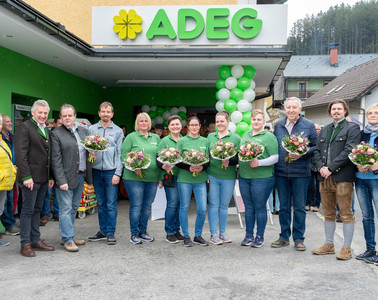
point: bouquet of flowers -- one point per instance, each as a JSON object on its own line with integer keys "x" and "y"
{"x": 363, "y": 155}
{"x": 250, "y": 150}
{"x": 195, "y": 158}
{"x": 169, "y": 157}
{"x": 137, "y": 160}
{"x": 94, "y": 143}
{"x": 223, "y": 151}
{"x": 295, "y": 144}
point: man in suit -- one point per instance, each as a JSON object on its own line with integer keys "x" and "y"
{"x": 32, "y": 151}
{"x": 70, "y": 165}
{"x": 337, "y": 175}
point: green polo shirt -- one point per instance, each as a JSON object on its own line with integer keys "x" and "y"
{"x": 269, "y": 141}
{"x": 168, "y": 142}
{"x": 215, "y": 168}
{"x": 136, "y": 141}
{"x": 186, "y": 144}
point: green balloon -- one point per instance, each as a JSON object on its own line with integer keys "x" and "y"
{"x": 236, "y": 94}
{"x": 244, "y": 83}
{"x": 242, "y": 128}
{"x": 152, "y": 114}
{"x": 249, "y": 72}
{"x": 159, "y": 111}
{"x": 165, "y": 123}
{"x": 220, "y": 84}
{"x": 224, "y": 72}
{"x": 167, "y": 108}
{"x": 216, "y": 96}
{"x": 247, "y": 117}
{"x": 230, "y": 105}
{"x": 182, "y": 115}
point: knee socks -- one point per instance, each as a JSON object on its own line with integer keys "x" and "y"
{"x": 329, "y": 228}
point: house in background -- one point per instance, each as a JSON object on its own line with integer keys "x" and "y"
{"x": 358, "y": 86}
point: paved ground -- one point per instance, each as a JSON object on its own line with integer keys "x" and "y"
{"x": 162, "y": 271}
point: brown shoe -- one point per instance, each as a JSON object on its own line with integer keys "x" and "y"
{"x": 280, "y": 243}
{"x": 27, "y": 251}
{"x": 299, "y": 246}
{"x": 44, "y": 219}
{"x": 77, "y": 242}
{"x": 56, "y": 219}
{"x": 325, "y": 249}
{"x": 345, "y": 253}
{"x": 42, "y": 246}
{"x": 71, "y": 247}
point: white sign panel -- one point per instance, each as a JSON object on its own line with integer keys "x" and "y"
{"x": 253, "y": 25}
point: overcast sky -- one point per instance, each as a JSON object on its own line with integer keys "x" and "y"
{"x": 299, "y": 8}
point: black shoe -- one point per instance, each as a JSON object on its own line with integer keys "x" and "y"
{"x": 111, "y": 239}
{"x": 97, "y": 237}
{"x": 188, "y": 241}
{"x": 179, "y": 236}
{"x": 372, "y": 260}
{"x": 366, "y": 254}
{"x": 172, "y": 239}
{"x": 200, "y": 241}
{"x": 146, "y": 238}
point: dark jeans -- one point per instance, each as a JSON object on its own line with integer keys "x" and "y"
{"x": 7, "y": 217}
{"x": 313, "y": 193}
{"x": 31, "y": 209}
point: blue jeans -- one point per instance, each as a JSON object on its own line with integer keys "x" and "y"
{"x": 106, "y": 196}
{"x": 7, "y": 217}
{"x": 141, "y": 195}
{"x": 292, "y": 190}
{"x": 46, "y": 206}
{"x": 172, "y": 218}
{"x": 276, "y": 205}
{"x": 255, "y": 194}
{"x": 367, "y": 194}
{"x": 185, "y": 192}
{"x": 219, "y": 196}
{"x": 69, "y": 202}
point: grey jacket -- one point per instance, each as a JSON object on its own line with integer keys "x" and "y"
{"x": 65, "y": 157}
{"x": 345, "y": 137}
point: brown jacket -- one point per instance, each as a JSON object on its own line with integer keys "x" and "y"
{"x": 32, "y": 151}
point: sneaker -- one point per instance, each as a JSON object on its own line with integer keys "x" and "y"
{"x": 135, "y": 239}
{"x": 199, "y": 240}
{"x": 258, "y": 242}
{"x": 97, "y": 237}
{"x": 299, "y": 246}
{"x": 111, "y": 239}
{"x": 248, "y": 240}
{"x": 146, "y": 238}
{"x": 314, "y": 208}
{"x": 188, "y": 241}
{"x": 172, "y": 239}
{"x": 71, "y": 247}
{"x": 179, "y": 236}
{"x": 366, "y": 254}
{"x": 214, "y": 239}
{"x": 44, "y": 219}
{"x": 224, "y": 237}
{"x": 3, "y": 243}
{"x": 369, "y": 260}
{"x": 280, "y": 243}
{"x": 307, "y": 207}
{"x": 13, "y": 231}
{"x": 345, "y": 253}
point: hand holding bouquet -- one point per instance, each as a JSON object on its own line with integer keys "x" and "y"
{"x": 223, "y": 151}
{"x": 195, "y": 158}
{"x": 250, "y": 150}
{"x": 169, "y": 157}
{"x": 295, "y": 144}
{"x": 363, "y": 155}
{"x": 93, "y": 144}
{"x": 137, "y": 160}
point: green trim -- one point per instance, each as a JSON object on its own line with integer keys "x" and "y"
{"x": 26, "y": 178}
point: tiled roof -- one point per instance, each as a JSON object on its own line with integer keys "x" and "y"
{"x": 349, "y": 86}
{"x": 318, "y": 66}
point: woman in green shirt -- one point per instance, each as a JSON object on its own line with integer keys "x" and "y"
{"x": 256, "y": 179}
{"x": 141, "y": 191}
{"x": 187, "y": 183}
{"x": 222, "y": 181}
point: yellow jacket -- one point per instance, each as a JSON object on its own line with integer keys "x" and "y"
{"x": 7, "y": 169}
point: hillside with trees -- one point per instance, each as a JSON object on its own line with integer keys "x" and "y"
{"x": 354, "y": 29}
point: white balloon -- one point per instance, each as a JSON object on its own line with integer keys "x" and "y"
{"x": 253, "y": 84}
{"x": 182, "y": 108}
{"x": 237, "y": 71}
{"x": 174, "y": 111}
{"x": 230, "y": 83}
{"x": 243, "y": 105}
{"x": 249, "y": 95}
{"x": 153, "y": 123}
{"x": 236, "y": 116}
{"x": 153, "y": 108}
{"x": 145, "y": 108}
{"x": 224, "y": 94}
{"x": 183, "y": 122}
{"x": 166, "y": 115}
{"x": 232, "y": 127}
{"x": 159, "y": 120}
{"x": 219, "y": 106}
{"x": 250, "y": 107}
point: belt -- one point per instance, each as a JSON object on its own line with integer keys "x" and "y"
{"x": 80, "y": 172}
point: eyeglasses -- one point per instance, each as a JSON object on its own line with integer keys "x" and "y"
{"x": 370, "y": 113}
{"x": 194, "y": 125}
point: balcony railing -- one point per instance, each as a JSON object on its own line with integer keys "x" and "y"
{"x": 301, "y": 94}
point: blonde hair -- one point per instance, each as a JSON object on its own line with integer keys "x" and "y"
{"x": 375, "y": 105}
{"x": 223, "y": 113}
{"x": 256, "y": 112}
{"x": 142, "y": 115}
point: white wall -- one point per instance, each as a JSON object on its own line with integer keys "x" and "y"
{"x": 371, "y": 99}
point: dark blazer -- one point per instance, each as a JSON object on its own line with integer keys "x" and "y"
{"x": 65, "y": 157}
{"x": 32, "y": 152}
{"x": 345, "y": 137}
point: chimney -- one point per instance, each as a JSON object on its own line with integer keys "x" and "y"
{"x": 333, "y": 54}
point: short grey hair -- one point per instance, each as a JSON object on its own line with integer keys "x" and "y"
{"x": 67, "y": 106}
{"x": 293, "y": 98}
{"x": 40, "y": 102}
